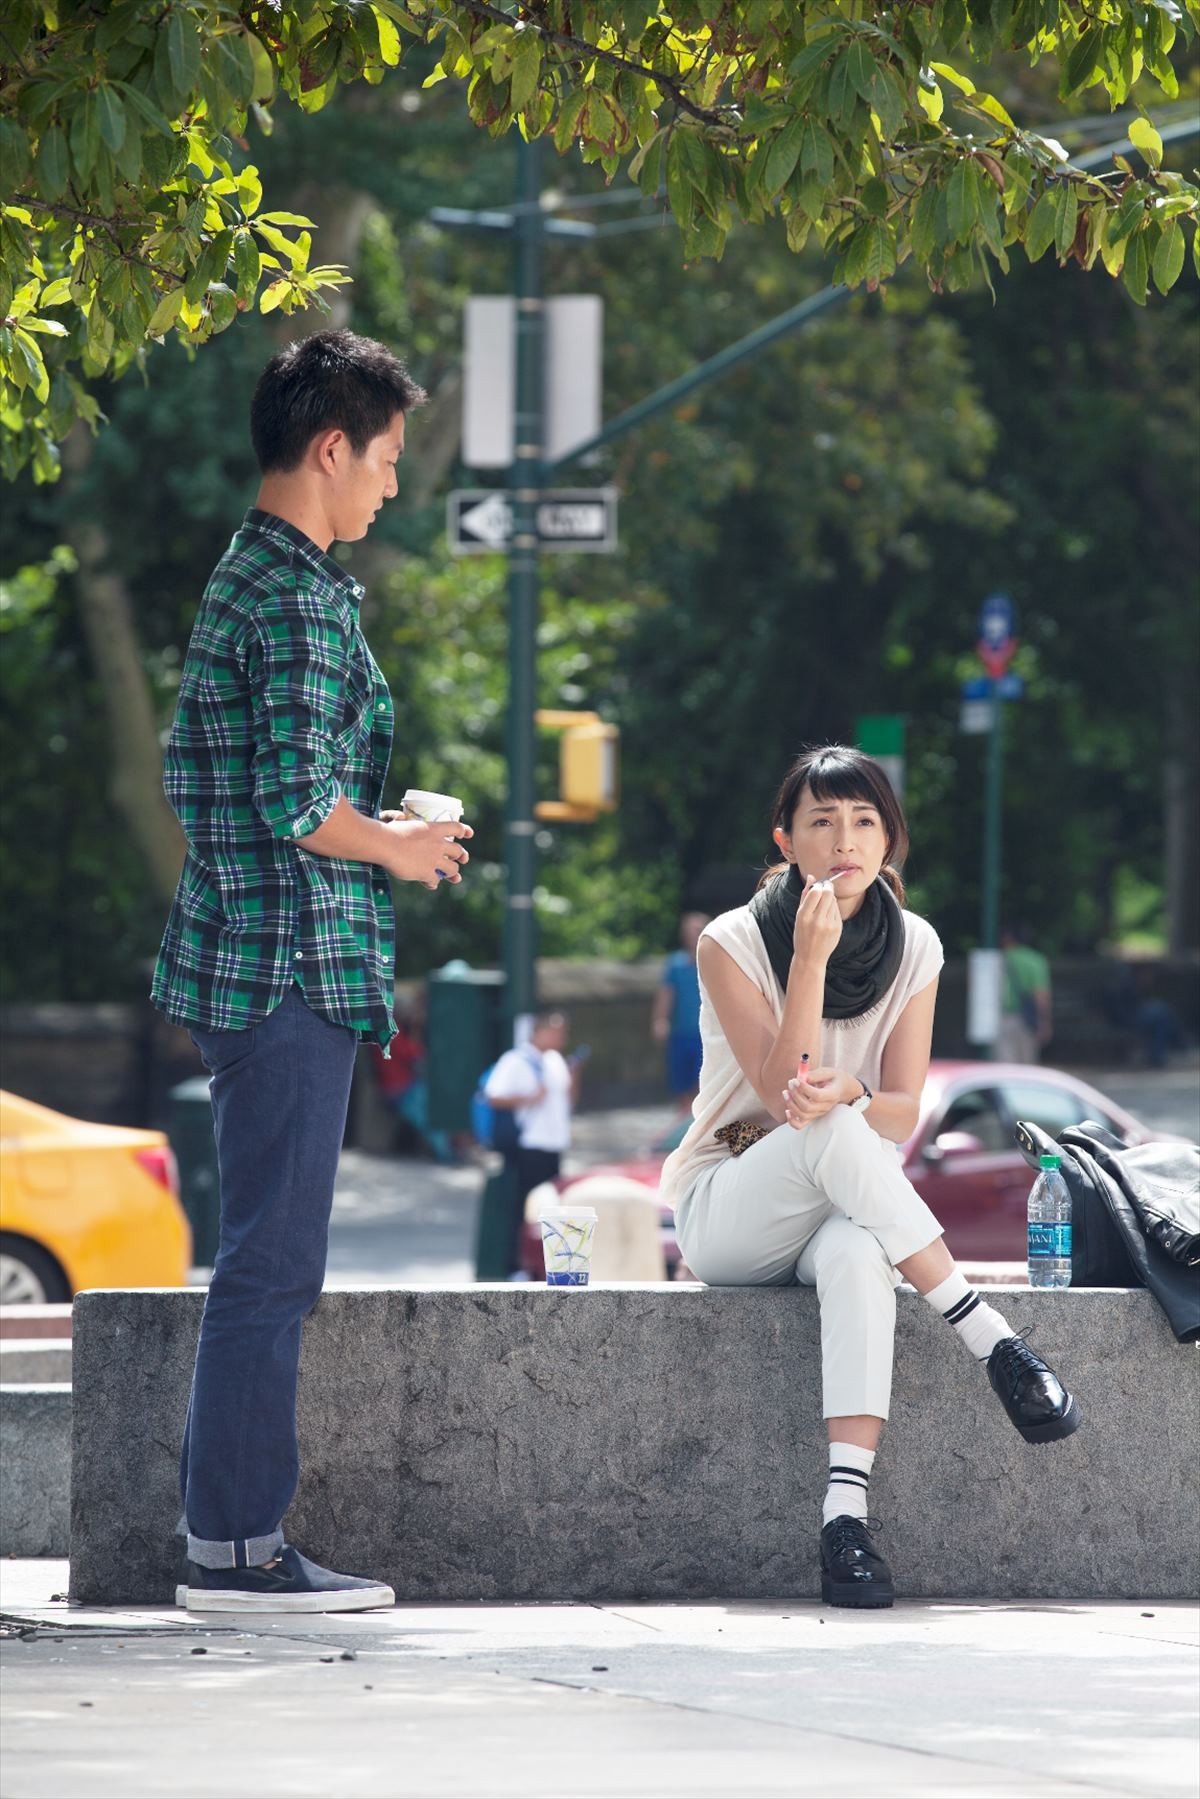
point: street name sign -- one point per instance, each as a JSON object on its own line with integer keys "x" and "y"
{"x": 479, "y": 519}
{"x": 982, "y": 687}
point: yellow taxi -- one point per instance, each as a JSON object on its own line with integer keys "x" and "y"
{"x": 85, "y": 1205}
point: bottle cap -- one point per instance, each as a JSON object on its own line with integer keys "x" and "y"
{"x": 1049, "y": 1161}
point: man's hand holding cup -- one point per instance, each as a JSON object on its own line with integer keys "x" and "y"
{"x": 429, "y": 832}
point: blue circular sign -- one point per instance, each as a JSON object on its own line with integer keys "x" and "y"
{"x": 997, "y": 620}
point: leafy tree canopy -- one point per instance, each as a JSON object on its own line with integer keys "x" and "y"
{"x": 132, "y": 210}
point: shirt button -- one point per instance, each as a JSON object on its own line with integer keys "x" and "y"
{"x": 299, "y": 956}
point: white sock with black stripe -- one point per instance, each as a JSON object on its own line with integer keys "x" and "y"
{"x": 979, "y": 1325}
{"x": 849, "y": 1472}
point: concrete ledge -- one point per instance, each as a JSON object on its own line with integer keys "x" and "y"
{"x": 35, "y": 1360}
{"x": 656, "y": 1442}
{"x": 35, "y": 1470}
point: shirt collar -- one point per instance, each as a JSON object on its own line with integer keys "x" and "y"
{"x": 271, "y": 525}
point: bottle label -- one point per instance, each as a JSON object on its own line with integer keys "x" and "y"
{"x": 1050, "y": 1240}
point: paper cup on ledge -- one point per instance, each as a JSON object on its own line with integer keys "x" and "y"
{"x": 567, "y": 1236}
{"x": 434, "y": 808}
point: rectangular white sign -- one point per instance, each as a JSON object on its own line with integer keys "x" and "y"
{"x": 572, "y": 346}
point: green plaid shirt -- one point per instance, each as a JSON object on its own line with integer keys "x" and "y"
{"x": 281, "y": 710}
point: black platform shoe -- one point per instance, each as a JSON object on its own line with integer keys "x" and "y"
{"x": 1031, "y": 1393}
{"x": 852, "y": 1571}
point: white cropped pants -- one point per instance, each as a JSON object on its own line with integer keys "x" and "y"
{"x": 828, "y": 1206}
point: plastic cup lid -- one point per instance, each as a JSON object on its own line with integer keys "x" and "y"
{"x": 580, "y": 1212}
{"x": 416, "y": 799}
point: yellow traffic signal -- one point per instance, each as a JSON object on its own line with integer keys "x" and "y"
{"x": 588, "y": 763}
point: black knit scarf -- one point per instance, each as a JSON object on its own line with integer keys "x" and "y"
{"x": 867, "y": 958}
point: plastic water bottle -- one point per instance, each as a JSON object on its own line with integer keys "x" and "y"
{"x": 1050, "y": 1226}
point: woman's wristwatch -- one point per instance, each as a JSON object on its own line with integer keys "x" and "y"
{"x": 865, "y": 1097}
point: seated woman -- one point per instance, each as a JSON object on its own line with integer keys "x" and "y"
{"x": 816, "y": 1015}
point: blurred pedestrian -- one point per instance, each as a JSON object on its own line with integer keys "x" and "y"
{"x": 817, "y": 1003}
{"x": 1026, "y": 1003}
{"x": 403, "y": 1087}
{"x": 1131, "y": 1003}
{"x": 540, "y": 1087}
{"x": 675, "y": 1020}
{"x": 278, "y": 951}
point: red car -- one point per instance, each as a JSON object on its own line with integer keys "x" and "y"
{"x": 962, "y": 1158}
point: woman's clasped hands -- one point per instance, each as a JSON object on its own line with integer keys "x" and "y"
{"x": 812, "y": 1095}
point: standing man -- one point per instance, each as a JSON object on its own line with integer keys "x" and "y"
{"x": 1025, "y": 1018}
{"x": 539, "y": 1086}
{"x": 278, "y": 950}
{"x": 675, "y": 1019}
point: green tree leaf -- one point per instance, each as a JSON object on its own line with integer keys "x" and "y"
{"x": 183, "y": 51}
{"x": 1168, "y": 257}
{"x": 816, "y": 155}
{"x": 248, "y": 264}
{"x": 15, "y": 156}
{"x": 110, "y": 115}
{"x": 681, "y": 191}
{"x": 1066, "y": 218}
{"x": 843, "y": 95}
{"x": 1043, "y": 222}
{"x": 165, "y": 313}
{"x": 1136, "y": 272}
{"x": 783, "y": 155}
{"x": 526, "y": 68}
{"x": 962, "y": 202}
{"x": 85, "y": 136}
{"x": 923, "y": 234}
{"x": 51, "y": 163}
{"x": 146, "y": 109}
{"x": 957, "y": 79}
{"x": 860, "y": 69}
{"x": 1143, "y": 134}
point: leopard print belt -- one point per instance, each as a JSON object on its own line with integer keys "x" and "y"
{"x": 741, "y": 1135}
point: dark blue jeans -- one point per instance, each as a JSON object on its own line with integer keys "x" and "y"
{"x": 279, "y": 1094}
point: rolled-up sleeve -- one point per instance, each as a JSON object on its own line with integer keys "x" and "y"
{"x": 299, "y": 665}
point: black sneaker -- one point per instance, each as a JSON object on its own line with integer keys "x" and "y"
{"x": 1031, "y": 1393}
{"x": 288, "y": 1583}
{"x": 852, "y": 1570}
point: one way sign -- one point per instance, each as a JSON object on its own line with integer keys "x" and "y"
{"x": 479, "y": 519}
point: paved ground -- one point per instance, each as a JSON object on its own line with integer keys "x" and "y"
{"x": 398, "y": 1220}
{"x": 713, "y": 1701}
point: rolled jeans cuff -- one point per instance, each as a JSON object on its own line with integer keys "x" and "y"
{"x": 243, "y": 1552}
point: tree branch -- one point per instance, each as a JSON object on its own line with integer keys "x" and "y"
{"x": 567, "y": 41}
{"x": 55, "y": 208}
{"x": 110, "y": 227}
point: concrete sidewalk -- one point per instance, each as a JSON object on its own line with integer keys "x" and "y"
{"x": 716, "y": 1701}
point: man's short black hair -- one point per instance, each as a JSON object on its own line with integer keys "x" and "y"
{"x": 332, "y": 381}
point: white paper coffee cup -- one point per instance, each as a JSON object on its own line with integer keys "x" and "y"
{"x": 567, "y": 1236}
{"x": 434, "y": 808}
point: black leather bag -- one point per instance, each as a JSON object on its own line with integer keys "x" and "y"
{"x": 1111, "y": 1245}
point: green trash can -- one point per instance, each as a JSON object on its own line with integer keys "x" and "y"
{"x": 464, "y": 1021}
{"x": 190, "y": 1129}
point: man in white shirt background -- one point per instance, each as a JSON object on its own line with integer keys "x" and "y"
{"x": 538, "y": 1084}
